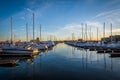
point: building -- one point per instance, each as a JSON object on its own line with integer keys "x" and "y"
{"x": 115, "y": 38}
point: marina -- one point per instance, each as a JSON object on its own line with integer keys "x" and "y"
{"x": 63, "y": 62}
{"x": 60, "y": 40}
{"x": 69, "y": 59}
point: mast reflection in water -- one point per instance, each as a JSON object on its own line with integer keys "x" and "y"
{"x": 64, "y": 62}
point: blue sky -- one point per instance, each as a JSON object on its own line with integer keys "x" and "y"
{"x": 59, "y": 18}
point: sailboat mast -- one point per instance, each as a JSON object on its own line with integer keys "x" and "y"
{"x": 86, "y": 31}
{"x": 11, "y": 30}
{"x": 97, "y": 34}
{"x": 33, "y": 27}
{"x": 111, "y": 32}
{"x": 82, "y": 30}
{"x": 26, "y": 31}
{"x": 104, "y": 30}
{"x": 72, "y": 36}
{"x": 90, "y": 33}
{"x": 40, "y": 32}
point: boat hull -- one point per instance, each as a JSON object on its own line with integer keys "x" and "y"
{"x": 17, "y": 53}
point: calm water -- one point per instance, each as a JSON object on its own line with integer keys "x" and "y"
{"x": 64, "y": 62}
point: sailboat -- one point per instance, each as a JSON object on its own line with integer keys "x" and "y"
{"x": 38, "y": 45}
{"x": 11, "y": 50}
{"x": 112, "y": 45}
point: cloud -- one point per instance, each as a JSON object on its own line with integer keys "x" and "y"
{"x": 31, "y": 2}
{"x": 89, "y": 1}
{"x": 109, "y": 13}
{"x": 29, "y": 10}
{"x": 72, "y": 27}
{"x": 66, "y": 30}
{"x": 116, "y": 31}
{"x": 78, "y": 27}
{"x": 111, "y": 16}
{"x": 113, "y": 2}
{"x": 23, "y": 18}
{"x": 94, "y": 24}
{"x": 108, "y": 17}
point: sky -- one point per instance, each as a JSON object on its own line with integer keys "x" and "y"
{"x": 59, "y": 18}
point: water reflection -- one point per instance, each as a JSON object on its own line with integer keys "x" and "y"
{"x": 9, "y": 65}
{"x": 64, "y": 62}
{"x": 102, "y": 61}
{"x": 8, "y": 62}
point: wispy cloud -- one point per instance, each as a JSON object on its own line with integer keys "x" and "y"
{"x": 108, "y": 13}
{"x": 31, "y": 2}
{"x": 94, "y": 24}
{"x": 23, "y": 18}
{"x": 72, "y": 27}
{"x": 113, "y": 2}
{"x": 29, "y": 10}
{"x": 109, "y": 16}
